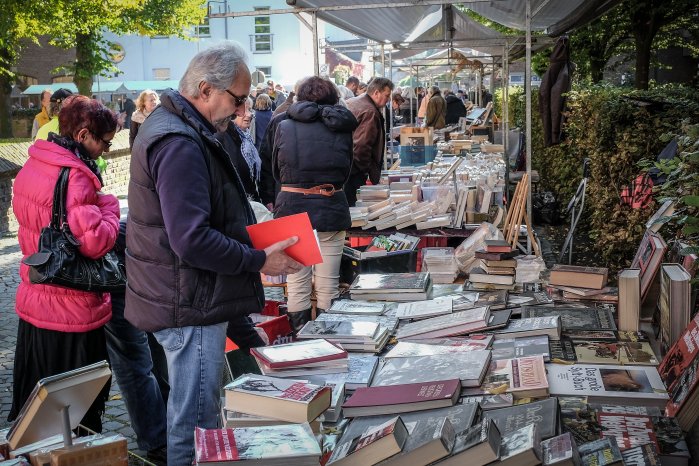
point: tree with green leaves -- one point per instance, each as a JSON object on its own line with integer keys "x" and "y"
{"x": 82, "y": 23}
{"x": 19, "y": 21}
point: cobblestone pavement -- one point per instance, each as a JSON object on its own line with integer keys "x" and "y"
{"x": 116, "y": 419}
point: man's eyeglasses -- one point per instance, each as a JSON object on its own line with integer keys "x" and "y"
{"x": 107, "y": 144}
{"x": 238, "y": 100}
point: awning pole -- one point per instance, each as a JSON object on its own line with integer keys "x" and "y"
{"x": 383, "y": 60}
{"x": 390, "y": 111}
{"x": 316, "y": 61}
{"x": 528, "y": 116}
{"x": 506, "y": 117}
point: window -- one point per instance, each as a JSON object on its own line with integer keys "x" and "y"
{"x": 203, "y": 30}
{"x": 161, "y": 74}
{"x": 267, "y": 70}
{"x": 261, "y": 40}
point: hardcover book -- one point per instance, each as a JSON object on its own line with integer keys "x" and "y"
{"x": 562, "y": 351}
{"x": 495, "y": 256}
{"x": 264, "y": 445}
{"x": 629, "y": 299}
{"x": 396, "y": 399}
{"x": 520, "y": 347}
{"x": 407, "y": 349}
{"x": 339, "y": 330}
{"x": 533, "y": 326}
{"x": 543, "y": 413}
{"x": 578, "y": 276}
{"x": 300, "y": 353}
{"x": 348, "y": 306}
{"x": 426, "y": 444}
{"x": 283, "y": 399}
{"x": 602, "y": 452}
{"x": 375, "y": 445}
{"x": 479, "y": 275}
{"x": 529, "y": 298}
{"x": 574, "y": 318}
{"x": 390, "y": 282}
{"x": 681, "y": 356}
{"x": 523, "y": 377}
{"x": 360, "y": 371}
{"x": 468, "y": 367}
{"x": 306, "y": 250}
{"x": 478, "y": 445}
{"x": 636, "y": 385}
{"x": 497, "y": 245}
{"x": 521, "y": 447}
{"x": 386, "y": 321}
{"x": 456, "y": 323}
{"x": 498, "y": 320}
{"x": 560, "y": 451}
{"x": 648, "y": 259}
{"x": 673, "y": 304}
{"x": 424, "y": 309}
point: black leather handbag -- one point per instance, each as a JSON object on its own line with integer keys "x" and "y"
{"x": 58, "y": 261}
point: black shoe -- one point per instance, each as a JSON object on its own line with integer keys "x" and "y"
{"x": 299, "y": 319}
{"x": 157, "y": 456}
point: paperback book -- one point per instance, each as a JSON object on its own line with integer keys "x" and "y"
{"x": 529, "y": 298}
{"x": 406, "y": 349}
{"x": 375, "y": 445}
{"x": 478, "y": 445}
{"x": 533, "y": 326}
{"x": 360, "y": 371}
{"x": 349, "y": 306}
{"x": 424, "y": 309}
{"x": 560, "y": 451}
{"x": 635, "y": 353}
{"x": 487, "y": 402}
{"x": 523, "y": 377}
{"x": 301, "y": 353}
{"x": 562, "y": 351}
{"x": 521, "y": 447}
{"x": 543, "y": 413}
{"x": 457, "y": 323}
{"x": 579, "y": 276}
{"x": 635, "y": 385}
{"x": 602, "y": 452}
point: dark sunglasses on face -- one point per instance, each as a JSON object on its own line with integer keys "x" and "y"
{"x": 107, "y": 144}
{"x": 238, "y": 100}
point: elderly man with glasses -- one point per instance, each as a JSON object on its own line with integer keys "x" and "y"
{"x": 191, "y": 265}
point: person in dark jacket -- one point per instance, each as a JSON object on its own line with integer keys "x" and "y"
{"x": 311, "y": 183}
{"x": 369, "y": 138}
{"x": 455, "y": 108}
{"x": 239, "y": 144}
{"x": 192, "y": 267}
{"x": 263, "y": 115}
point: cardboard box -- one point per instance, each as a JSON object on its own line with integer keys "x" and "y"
{"x": 109, "y": 451}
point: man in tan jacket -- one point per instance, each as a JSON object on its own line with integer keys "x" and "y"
{"x": 369, "y": 138}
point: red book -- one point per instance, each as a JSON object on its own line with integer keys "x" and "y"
{"x": 306, "y": 250}
{"x": 629, "y": 430}
{"x": 394, "y": 399}
{"x": 497, "y": 245}
{"x": 680, "y": 356}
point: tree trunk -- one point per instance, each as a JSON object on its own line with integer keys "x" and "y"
{"x": 5, "y": 106}
{"x": 597, "y": 64}
{"x": 83, "y": 64}
{"x": 643, "y": 52}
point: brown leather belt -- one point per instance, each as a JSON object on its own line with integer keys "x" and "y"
{"x": 323, "y": 190}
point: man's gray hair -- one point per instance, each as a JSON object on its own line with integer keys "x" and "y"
{"x": 218, "y": 65}
{"x": 379, "y": 84}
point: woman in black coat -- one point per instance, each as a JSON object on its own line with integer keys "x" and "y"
{"x": 311, "y": 160}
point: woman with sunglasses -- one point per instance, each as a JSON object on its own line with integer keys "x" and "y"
{"x": 61, "y": 329}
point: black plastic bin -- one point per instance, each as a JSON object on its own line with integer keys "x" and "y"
{"x": 355, "y": 262}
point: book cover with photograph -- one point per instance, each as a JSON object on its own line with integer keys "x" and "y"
{"x": 456, "y": 323}
{"x": 635, "y": 385}
{"x": 560, "y": 450}
{"x": 390, "y": 282}
{"x": 543, "y": 413}
{"x": 349, "y": 306}
{"x": 407, "y": 349}
{"x": 523, "y": 377}
{"x": 510, "y": 348}
{"x": 602, "y": 452}
{"x": 574, "y": 318}
{"x": 635, "y": 353}
{"x": 339, "y": 329}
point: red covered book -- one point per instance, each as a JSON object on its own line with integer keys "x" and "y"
{"x": 306, "y": 250}
{"x": 394, "y": 399}
{"x": 497, "y": 245}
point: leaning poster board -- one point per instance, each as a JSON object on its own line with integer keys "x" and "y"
{"x": 42, "y": 413}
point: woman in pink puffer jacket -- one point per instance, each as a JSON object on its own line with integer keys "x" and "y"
{"x": 61, "y": 329}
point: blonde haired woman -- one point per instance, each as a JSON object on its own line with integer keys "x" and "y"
{"x": 145, "y": 104}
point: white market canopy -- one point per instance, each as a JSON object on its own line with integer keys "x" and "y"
{"x": 106, "y": 87}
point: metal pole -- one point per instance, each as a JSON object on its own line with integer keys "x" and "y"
{"x": 390, "y": 112}
{"x": 383, "y": 60}
{"x": 506, "y": 118}
{"x": 67, "y": 434}
{"x": 528, "y": 92}
{"x": 413, "y": 93}
{"x": 316, "y": 62}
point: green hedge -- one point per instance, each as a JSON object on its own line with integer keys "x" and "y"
{"x": 616, "y": 128}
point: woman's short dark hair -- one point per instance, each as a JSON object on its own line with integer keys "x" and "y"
{"x": 318, "y": 90}
{"x": 78, "y": 112}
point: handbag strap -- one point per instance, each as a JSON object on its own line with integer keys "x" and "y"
{"x": 59, "y": 214}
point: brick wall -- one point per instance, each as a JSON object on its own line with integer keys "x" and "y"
{"x": 13, "y": 156}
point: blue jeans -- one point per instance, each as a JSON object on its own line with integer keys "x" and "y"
{"x": 195, "y": 357}
{"x": 132, "y": 365}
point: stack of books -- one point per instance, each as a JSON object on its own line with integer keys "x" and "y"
{"x": 394, "y": 242}
{"x": 413, "y": 286}
{"x": 577, "y": 283}
{"x": 300, "y": 358}
{"x": 354, "y": 335}
{"x": 497, "y": 266}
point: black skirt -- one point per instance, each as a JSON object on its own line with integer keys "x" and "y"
{"x": 41, "y": 353}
